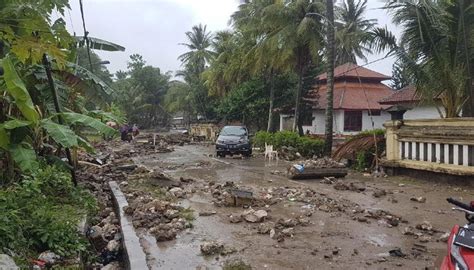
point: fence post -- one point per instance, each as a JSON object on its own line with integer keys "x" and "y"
{"x": 391, "y": 136}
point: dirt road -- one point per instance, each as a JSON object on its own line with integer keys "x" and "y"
{"x": 323, "y": 228}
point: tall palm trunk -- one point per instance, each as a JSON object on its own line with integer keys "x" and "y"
{"x": 299, "y": 92}
{"x": 468, "y": 110}
{"x": 272, "y": 98}
{"x": 330, "y": 76}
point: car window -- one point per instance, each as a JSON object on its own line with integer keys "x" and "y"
{"x": 234, "y": 131}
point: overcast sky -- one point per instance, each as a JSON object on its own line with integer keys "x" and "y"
{"x": 154, "y": 28}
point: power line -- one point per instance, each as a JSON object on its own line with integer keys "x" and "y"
{"x": 86, "y": 38}
{"x": 70, "y": 20}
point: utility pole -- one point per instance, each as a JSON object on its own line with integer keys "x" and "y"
{"x": 47, "y": 67}
{"x": 330, "y": 76}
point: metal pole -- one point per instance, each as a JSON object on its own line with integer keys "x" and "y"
{"x": 47, "y": 67}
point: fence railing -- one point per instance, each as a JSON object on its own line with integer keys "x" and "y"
{"x": 440, "y": 145}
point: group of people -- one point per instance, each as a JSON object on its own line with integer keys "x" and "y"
{"x": 128, "y": 133}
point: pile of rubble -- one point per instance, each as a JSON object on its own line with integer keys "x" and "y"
{"x": 289, "y": 153}
{"x": 161, "y": 218}
{"x": 104, "y": 232}
{"x": 322, "y": 163}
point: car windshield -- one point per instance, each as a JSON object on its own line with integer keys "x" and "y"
{"x": 234, "y": 131}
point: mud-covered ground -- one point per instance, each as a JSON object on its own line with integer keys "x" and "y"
{"x": 310, "y": 224}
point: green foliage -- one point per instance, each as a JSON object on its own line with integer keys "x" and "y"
{"x": 141, "y": 93}
{"x": 42, "y": 213}
{"x": 431, "y": 49}
{"x": 306, "y": 146}
{"x": 24, "y": 156}
{"x": 17, "y": 89}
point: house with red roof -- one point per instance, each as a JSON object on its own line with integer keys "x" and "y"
{"x": 357, "y": 92}
{"x": 408, "y": 100}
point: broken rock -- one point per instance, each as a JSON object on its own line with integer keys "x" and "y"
{"x": 235, "y": 218}
{"x": 253, "y": 216}
{"x": 264, "y": 228}
{"x": 425, "y": 226}
{"x": 207, "y": 213}
{"x": 49, "y": 257}
{"x": 6, "y": 262}
{"x": 379, "y": 193}
{"x": 211, "y": 248}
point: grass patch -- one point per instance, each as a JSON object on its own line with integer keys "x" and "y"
{"x": 41, "y": 213}
{"x": 187, "y": 214}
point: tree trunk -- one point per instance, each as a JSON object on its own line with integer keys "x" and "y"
{"x": 468, "y": 39}
{"x": 330, "y": 76}
{"x": 272, "y": 98}
{"x": 296, "y": 120}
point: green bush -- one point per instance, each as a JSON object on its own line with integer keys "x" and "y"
{"x": 306, "y": 146}
{"x": 42, "y": 213}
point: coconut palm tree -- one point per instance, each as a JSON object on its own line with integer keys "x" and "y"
{"x": 199, "y": 46}
{"x": 435, "y": 47}
{"x": 330, "y": 51}
{"x": 353, "y": 31}
{"x": 295, "y": 38}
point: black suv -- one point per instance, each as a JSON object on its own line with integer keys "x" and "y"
{"x": 233, "y": 140}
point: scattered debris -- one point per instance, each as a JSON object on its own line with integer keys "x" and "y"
{"x": 418, "y": 199}
{"x": 49, "y": 258}
{"x": 444, "y": 237}
{"x": 397, "y": 253}
{"x": 207, "y": 213}
{"x": 425, "y": 226}
{"x": 235, "y": 218}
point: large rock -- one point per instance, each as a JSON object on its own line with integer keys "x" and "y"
{"x": 49, "y": 257}
{"x": 111, "y": 266}
{"x": 177, "y": 192}
{"x": 211, "y": 248}
{"x": 113, "y": 246}
{"x": 253, "y": 216}
{"x": 7, "y": 263}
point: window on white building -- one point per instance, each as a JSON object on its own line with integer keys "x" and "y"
{"x": 352, "y": 120}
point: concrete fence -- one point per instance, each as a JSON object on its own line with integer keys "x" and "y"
{"x": 438, "y": 145}
{"x": 207, "y": 131}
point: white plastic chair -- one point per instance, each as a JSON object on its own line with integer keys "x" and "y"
{"x": 270, "y": 153}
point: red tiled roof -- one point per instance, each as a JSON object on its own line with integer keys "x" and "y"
{"x": 352, "y": 95}
{"x": 404, "y": 95}
{"x": 350, "y": 70}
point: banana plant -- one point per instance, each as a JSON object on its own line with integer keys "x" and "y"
{"x": 27, "y": 132}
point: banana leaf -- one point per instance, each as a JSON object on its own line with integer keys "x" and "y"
{"x": 99, "y": 44}
{"x": 75, "y": 118}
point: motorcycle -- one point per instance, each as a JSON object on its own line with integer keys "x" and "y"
{"x": 461, "y": 240}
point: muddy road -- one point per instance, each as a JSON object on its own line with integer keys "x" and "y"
{"x": 311, "y": 224}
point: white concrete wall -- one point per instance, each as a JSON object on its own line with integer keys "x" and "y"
{"x": 319, "y": 122}
{"x": 378, "y": 120}
{"x": 423, "y": 112}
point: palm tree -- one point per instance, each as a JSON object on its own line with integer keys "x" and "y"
{"x": 353, "y": 31}
{"x": 435, "y": 49}
{"x": 199, "y": 43}
{"x": 330, "y": 71}
{"x": 261, "y": 59}
{"x": 225, "y": 70}
{"x": 296, "y": 38}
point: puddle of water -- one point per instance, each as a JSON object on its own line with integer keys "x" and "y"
{"x": 184, "y": 252}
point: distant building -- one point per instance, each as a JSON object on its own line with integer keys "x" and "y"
{"x": 357, "y": 91}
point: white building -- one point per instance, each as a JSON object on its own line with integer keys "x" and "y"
{"x": 408, "y": 99}
{"x": 357, "y": 92}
